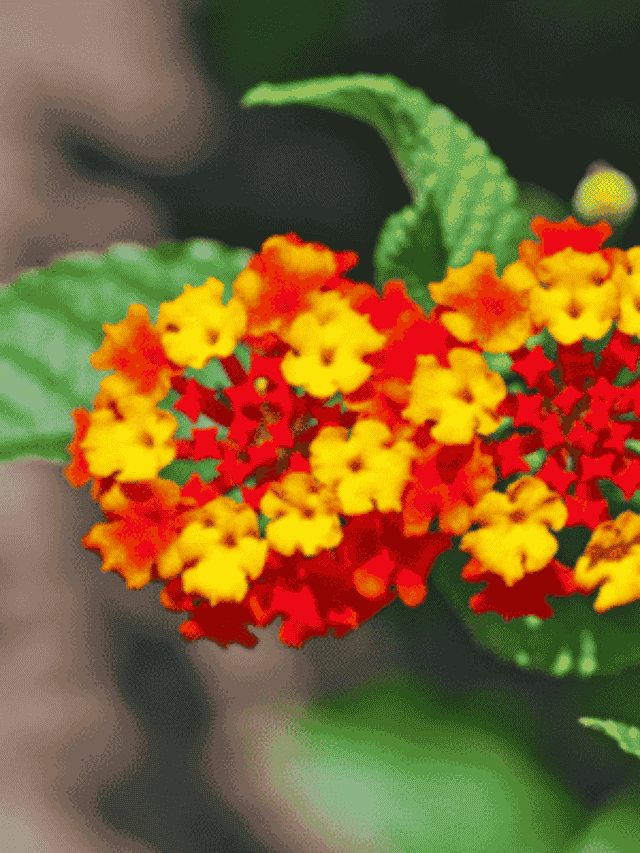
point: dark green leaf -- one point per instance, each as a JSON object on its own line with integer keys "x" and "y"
{"x": 51, "y": 323}
{"x": 410, "y": 248}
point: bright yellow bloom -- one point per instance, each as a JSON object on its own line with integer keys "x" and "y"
{"x": 514, "y": 538}
{"x": 135, "y": 447}
{"x": 223, "y": 537}
{"x": 328, "y": 344}
{"x": 490, "y": 310}
{"x": 197, "y": 326}
{"x": 628, "y": 284}
{"x": 612, "y": 556}
{"x": 366, "y": 470}
{"x": 304, "y": 515}
{"x": 460, "y": 399}
{"x": 573, "y": 300}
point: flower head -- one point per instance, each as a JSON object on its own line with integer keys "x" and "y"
{"x": 348, "y": 491}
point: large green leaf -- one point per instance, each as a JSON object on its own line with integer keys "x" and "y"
{"x": 51, "y": 322}
{"x": 440, "y": 158}
{"x": 575, "y": 640}
{"x": 392, "y": 768}
{"x": 628, "y": 737}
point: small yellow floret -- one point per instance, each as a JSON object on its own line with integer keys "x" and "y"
{"x": 134, "y": 448}
{"x": 628, "y": 284}
{"x": 223, "y": 537}
{"x": 515, "y": 537}
{"x": 576, "y": 303}
{"x": 612, "y": 556}
{"x": 367, "y": 470}
{"x": 328, "y": 344}
{"x": 460, "y": 399}
{"x": 304, "y": 515}
{"x": 197, "y": 326}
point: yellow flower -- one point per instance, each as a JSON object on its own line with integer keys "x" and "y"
{"x": 514, "y": 538}
{"x": 304, "y": 515}
{"x": 328, "y": 344}
{"x": 612, "y": 556}
{"x": 197, "y": 326}
{"x": 223, "y": 537}
{"x": 573, "y": 300}
{"x": 134, "y": 446}
{"x": 366, "y": 470}
{"x": 490, "y": 310}
{"x": 460, "y": 399}
{"x": 628, "y": 284}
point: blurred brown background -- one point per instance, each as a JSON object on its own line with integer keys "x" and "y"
{"x": 119, "y": 123}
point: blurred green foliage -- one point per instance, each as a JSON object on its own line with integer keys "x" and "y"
{"x": 275, "y": 41}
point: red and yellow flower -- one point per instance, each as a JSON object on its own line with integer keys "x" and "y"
{"x": 365, "y": 435}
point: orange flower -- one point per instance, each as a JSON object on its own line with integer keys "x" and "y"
{"x": 491, "y": 310}
{"x": 133, "y": 347}
{"x": 144, "y": 527}
{"x": 278, "y": 280}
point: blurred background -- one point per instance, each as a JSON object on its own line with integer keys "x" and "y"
{"x": 120, "y": 123}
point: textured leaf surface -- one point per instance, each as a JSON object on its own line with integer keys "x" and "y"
{"x": 574, "y": 641}
{"x": 439, "y": 157}
{"x": 51, "y": 321}
{"x": 628, "y": 737}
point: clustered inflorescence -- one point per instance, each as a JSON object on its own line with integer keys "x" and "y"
{"x": 366, "y": 435}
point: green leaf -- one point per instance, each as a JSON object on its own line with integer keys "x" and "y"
{"x": 52, "y": 322}
{"x": 447, "y": 169}
{"x": 409, "y": 248}
{"x": 574, "y": 641}
{"x": 393, "y": 768}
{"x": 628, "y": 737}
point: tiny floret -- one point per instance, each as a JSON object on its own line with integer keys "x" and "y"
{"x": 573, "y": 298}
{"x": 367, "y": 470}
{"x": 460, "y": 398}
{"x": 196, "y": 326}
{"x": 328, "y": 343}
{"x": 612, "y": 558}
{"x": 134, "y": 443}
{"x": 222, "y": 537}
{"x": 514, "y": 538}
{"x": 490, "y": 310}
{"x": 626, "y": 277}
{"x": 304, "y": 515}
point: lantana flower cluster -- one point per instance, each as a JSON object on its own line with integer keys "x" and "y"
{"x": 366, "y": 436}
